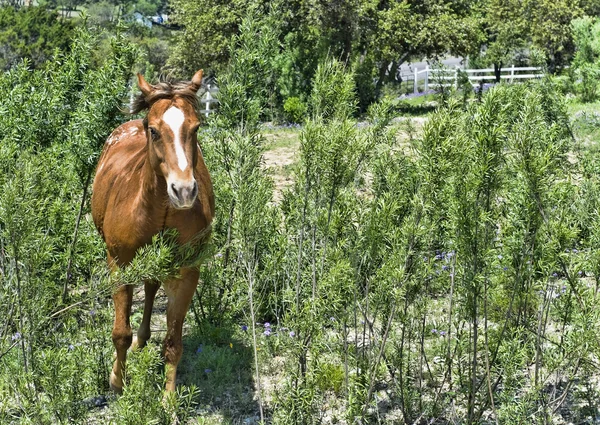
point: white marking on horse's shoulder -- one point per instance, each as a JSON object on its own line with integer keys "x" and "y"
{"x": 133, "y": 131}
{"x": 174, "y": 118}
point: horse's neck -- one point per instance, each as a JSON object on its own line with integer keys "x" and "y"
{"x": 153, "y": 188}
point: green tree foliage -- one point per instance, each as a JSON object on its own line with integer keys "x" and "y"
{"x": 33, "y": 33}
{"x": 553, "y": 36}
{"x": 506, "y": 26}
{"x": 208, "y": 30}
{"x": 517, "y": 29}
{"x": 377, "y": 37}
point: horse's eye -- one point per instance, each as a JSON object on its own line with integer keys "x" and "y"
{"x": 154, "y": 133}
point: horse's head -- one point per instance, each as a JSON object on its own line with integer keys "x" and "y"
{"x": 171, "y": 126}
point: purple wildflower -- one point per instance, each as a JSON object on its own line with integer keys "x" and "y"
{"x": 267, "y": 325}
{"x": 71, "y": 347}
{"x": 442, "y": 333}
{"x": 16, "y": 336}
{"x": 244, "y": 328}
{"x": 207, "y": 371}
{"x": 92, "y": 312}
{"x": 199, "y": 349}
{"x": 554, "y": 274}
{"x": 434, "y": 331}
{"x": 292, "y": 334}
{"x": 267, "y": 332}
{"x": 444, "y": 267}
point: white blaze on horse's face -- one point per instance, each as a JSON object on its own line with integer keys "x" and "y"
{"x": 174, "y": 119}
{"x": 181, "y": 185}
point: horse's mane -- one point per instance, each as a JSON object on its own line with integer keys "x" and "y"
{"x": 166, "y": 89}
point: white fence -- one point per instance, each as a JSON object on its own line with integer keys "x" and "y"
{"x": 440, "y": 77}
{"x": 208, "y": 99}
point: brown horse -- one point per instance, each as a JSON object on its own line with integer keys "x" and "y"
{"x": 151, "y": 177}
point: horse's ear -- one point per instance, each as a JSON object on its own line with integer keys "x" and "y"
{"x": 196, "y": 81}
{"x": 143, "y": 85}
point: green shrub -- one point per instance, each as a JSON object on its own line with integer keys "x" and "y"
{"x": 586, "y": 84}
{"x": 295, "y": 110}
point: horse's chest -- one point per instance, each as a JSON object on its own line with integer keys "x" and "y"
{"x": 187, "y": 223}
{"x": 126, "y": 231}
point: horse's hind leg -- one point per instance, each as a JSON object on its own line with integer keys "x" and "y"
{"x": 143, "y": 333}
{"x": 121, "y": 334}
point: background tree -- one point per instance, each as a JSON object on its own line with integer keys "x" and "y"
{"x": 550, "y": 24}
{"x": 33, "y": 33}
{"x": 506, "y": 32}
{"x": 208, "y": 28}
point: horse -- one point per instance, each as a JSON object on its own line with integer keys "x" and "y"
{"x": 151, "y": 177}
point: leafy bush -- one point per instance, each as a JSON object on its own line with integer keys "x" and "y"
{"x": 295, "y": 110}
{"x": 586, "y": 85}
{"x": 586, "y": 35}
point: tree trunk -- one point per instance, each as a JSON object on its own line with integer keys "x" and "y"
{"x": 497, "y": 71}
{"x": 382, "y": 71}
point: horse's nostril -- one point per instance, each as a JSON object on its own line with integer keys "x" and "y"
{"x": 174, "y": 190}
{"x": 195, "y": 189}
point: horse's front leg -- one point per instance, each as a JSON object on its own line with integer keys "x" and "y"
{"x": 121, "y": 334}
{"x": 179, "y": 292}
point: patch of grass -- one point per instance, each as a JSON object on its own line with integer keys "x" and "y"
{"x": 417, "y": 106}
{"x": 218, "y": 361}
{"x": 575, "y": 107}
{"x": 281, "y": 137}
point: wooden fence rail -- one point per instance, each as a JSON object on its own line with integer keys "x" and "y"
{"x": 431, "y": 77}
{"x": 208, "y": 99}
{"x": 439, "y": 77}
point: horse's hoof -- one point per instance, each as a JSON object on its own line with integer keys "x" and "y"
{"x": 113, "y": 387}
{"x": 137, "y": 344}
